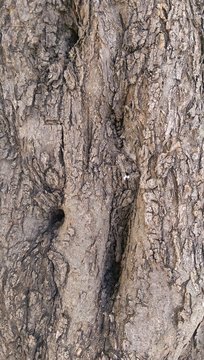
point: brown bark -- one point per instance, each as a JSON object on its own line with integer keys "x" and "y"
{"x": 101, "y": 180}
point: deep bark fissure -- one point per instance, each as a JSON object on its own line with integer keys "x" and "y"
{"x": 120, "y": 217}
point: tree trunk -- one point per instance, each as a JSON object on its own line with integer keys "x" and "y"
{"x": 102, "y": 172}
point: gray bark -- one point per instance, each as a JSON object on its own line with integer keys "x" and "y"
{"x": 102, "y": 172}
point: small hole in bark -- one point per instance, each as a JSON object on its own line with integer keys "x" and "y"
{"x": 57, "y": 217}
{"x": 73, "y": 38}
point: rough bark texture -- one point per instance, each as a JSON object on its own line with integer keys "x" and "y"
{"x": 102, "y": 172}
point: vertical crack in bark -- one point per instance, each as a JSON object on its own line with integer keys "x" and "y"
{"x": 122, "y": 211}
{"x": 118, "y": 234}
{"x": 126, "y": 184}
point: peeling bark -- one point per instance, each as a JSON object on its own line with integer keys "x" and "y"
{"x": 101, "y": 159}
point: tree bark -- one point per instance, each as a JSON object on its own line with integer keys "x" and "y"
{"x": 102, "y": 172}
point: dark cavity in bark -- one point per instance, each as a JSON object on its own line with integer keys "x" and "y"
{"x": 119, "y": 229}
